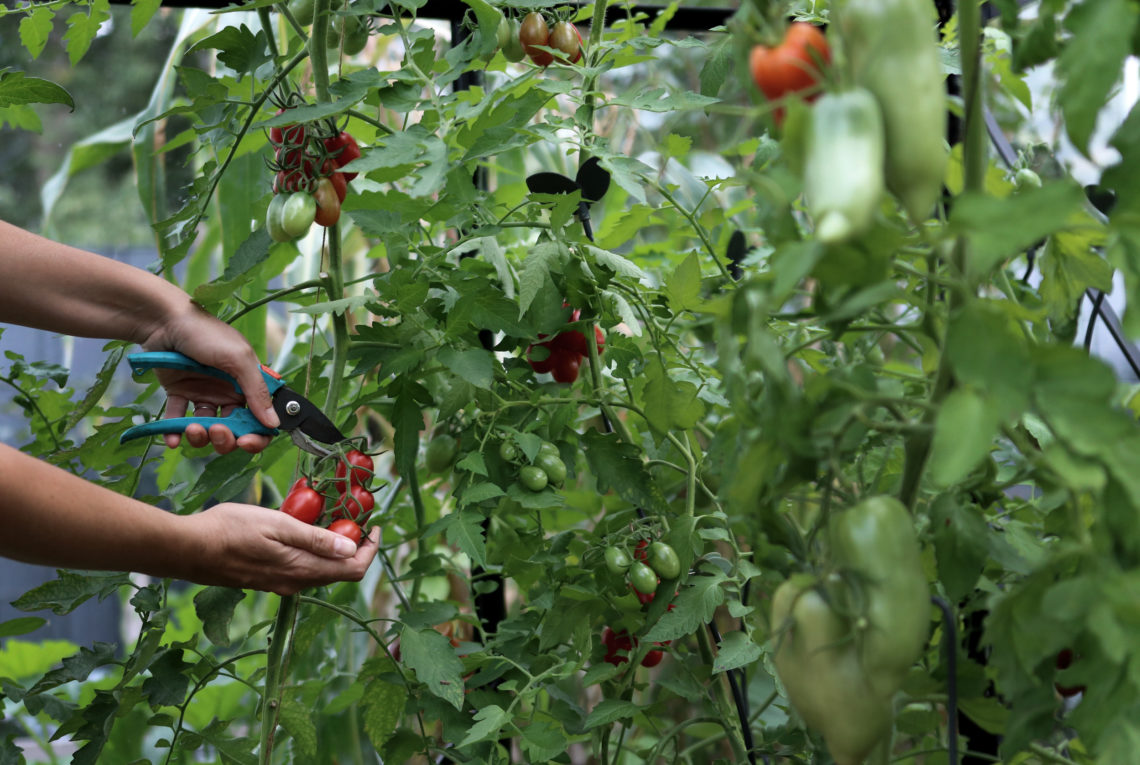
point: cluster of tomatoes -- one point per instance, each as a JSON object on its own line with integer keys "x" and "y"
{"x": 546, "y": 469}
{"x": 619, "y": 644}
{"x": 539, "y": 40}
{"x": 309, "y": 185}
{"x": 562, "y": 355}
{"x": 346, "y": 510}
{"x": 793, "y": 66}
{"x": 651, "y": 562}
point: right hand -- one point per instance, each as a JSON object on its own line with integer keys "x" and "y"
{"x": 253, "y": 547}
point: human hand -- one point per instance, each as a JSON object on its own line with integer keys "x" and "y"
{"x": 257, "y": 548}
{"x": 212, "y": 342}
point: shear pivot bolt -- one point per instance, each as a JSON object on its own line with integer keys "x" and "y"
{"x": 292, "y": 407}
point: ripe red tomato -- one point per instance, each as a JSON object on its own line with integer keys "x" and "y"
{"x": 340, "y": 184}
{"x": 1064, "y": 661}
{"x": 534, "y": 31}
{"x": 792, "y": 66}
{"x": 565, "y": 368}
{"x": 653, "y": 658}
{"x": 290, "y": 135}
{"x": 328, "y": 204}
{"x": 566, "y": 38}
{"x": 355, "y": 504}
{"x": 545, "y": 365}
{"x": 302, "y": 481}
{"x": 343, "y": 148}
{"x": 361, "y": 468}
{"x": 304, "y": 504}
{"x": 346, "y": 528}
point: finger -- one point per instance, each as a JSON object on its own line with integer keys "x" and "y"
{"x": 196, "y": 435}
{"x": 318, "y": 541}
{"x": 248, "y": 375}
{"x": 252, "y": 443}
{"x": 175, "y": 407}
{"x": 222, "y": 439}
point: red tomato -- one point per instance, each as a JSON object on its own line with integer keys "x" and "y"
{"x": 304, "y": 504}
{"x": 340, "y": 184}
{"x": 361, "y": 468}
{"x": 288, "y": 181}
{"x": 565, "y": 369}
{"x": 545, "y": 365}
{"x": 328, "y": 203}
{"x": 356, "y": 504}
{"x": 302, "y": 481}
{"x": 792, "y": 66}
{"x": 641, "y": 551}
{"x": 343, "y": 148}
{"x": 534, "y": 31}
{"x": 652, "y": 659}
{"x": 346, "y": 528}
{"x": 290, "y": 135}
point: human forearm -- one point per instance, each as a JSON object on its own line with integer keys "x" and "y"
{"x": 51, "y": 286}
{"x": 52, "y": 517}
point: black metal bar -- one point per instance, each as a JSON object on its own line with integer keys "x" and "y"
{"x": 684, "y": 19}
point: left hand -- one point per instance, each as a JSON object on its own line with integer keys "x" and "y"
{"x": 214, "y": 343}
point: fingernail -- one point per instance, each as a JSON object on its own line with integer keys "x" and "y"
{"x": 344, "y": 547}
{"x": 271, "y": 418}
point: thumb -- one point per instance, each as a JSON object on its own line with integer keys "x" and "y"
{"x": 256, "y": 394}
{"x": 318, "y": 541}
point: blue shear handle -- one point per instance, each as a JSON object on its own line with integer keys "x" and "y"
{"x": 241, "y": 422}
{"x": 142, "y": 362}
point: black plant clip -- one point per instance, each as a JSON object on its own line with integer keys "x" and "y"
{"x": 593, "y": 181}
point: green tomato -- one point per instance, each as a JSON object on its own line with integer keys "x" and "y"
{"x": 548, "y": 448}
{"x": 297, "y": 213}
{"x": 1026, "y": 178}
{"x": 534, "y": 478}
{"x": 663, "y": 559}
{"x": 349, "y": 33}
{"x": 508, "y": 452}
{"x": 441, "y": 453}
{"x": 513, "y": 50}
{"x": 273, "y": 219}
{"x": 617, "y": 560}
{"x": 302, "y": 11}
{"x": 503, "y": 32}
{"x": 554, "y": 467}
{"x": 643, "y": 579}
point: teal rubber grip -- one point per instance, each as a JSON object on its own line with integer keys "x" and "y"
{"x": 241, "y": 422}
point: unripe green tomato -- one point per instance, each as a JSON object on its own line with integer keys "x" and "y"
{"x": 1027, "y": 179}
{"x": 273, "y": 219}
{"x": 349, "y": 33}
{"x": 297, "y": 213}
{"x": 302, "y": 11}
{"x": 503, "y": 32}
{"x": 534, "y": 478}
{"x": 508, "y": 452}
{"x": 547, "y": 448}
{"x": 553, "y": 466}
{"x": 513, "y": 49}
{"x": 617, "y": 560}
{"x": 663, "y": 559}
{"x": 441, "y": 453}
{"x": 643, "y": 579}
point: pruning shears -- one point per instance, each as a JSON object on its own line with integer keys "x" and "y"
{"x": 303, "y": 420}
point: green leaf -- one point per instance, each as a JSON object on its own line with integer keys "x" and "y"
{"x": 35, "y": 28}
{"x": 543, "y": 740}
{"x": 998, "y": 229}
{"x": 683, "y": 285}
{"x": 1001, "y": 366}
{"x": 21, "y": 625}
{"x": 609, "y": 711}
{"x": 169, "y": 679}
{"x": 535, "y": 273}
{"x": 297, "y": 719}
{"x": 70, "y": 590}
{"x": 466, "y": 533}
{"x": 694, "y": 607}
{"x": 489, "y": 720}
{"x": 215, "y": 608}
{"x": 383, "y": 702}
{"x": 239, "y": 48}
{"x": 408, "y": 420}
{"x": 963, "y": 435}
{"x": 474, "y": 365}
{"x": 83, "y": 27}
{"x": 142, "y": 11}
{"x": 480, "y": 492}
{"x": 430, "y": 655}
{"x": 473, "y": 462}
{"x": 17, "y": 89}
{"x": 614, "y": 262}
{"x": 660, "y": 100}
{"x": 1091, "y": 61}
{"x": 670, "y": 404}
{"x": 961, "y": 544}
{"x": 618, "y": 465}
{"x": 736, "y": 650}
{"x": 717, "y": 68}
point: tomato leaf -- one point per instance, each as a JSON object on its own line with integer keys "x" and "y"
{"x": 670, "y": 404}
{"x": 70, "y": 590}
{"x": 238, "y": 48}
{"x": 961, "y": 544}
{"x": 215, "y": 608}
{"x": 473, "y": 365}
{"x": 83, "y": 27}
{"x": 963, "y": 432}
{"x": 168, "y": 681}
{"x": 383, "y": 701}
{"x": 17, "y": 89}
{"x": 21, "y": 625}
{"x": 735, "y": 650}
{"x": 430, "y": 655}
{"x": 617, "y": 465}
{"x": 609, "y": 711}
{"x": 683, "y": 285}
{"x": 489, "y": 720}
{"x": 35, "y": 28}
{"x": 694, "y": 607}
{"x": 466, "y": 533}
{"x": 297, "y": 718}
